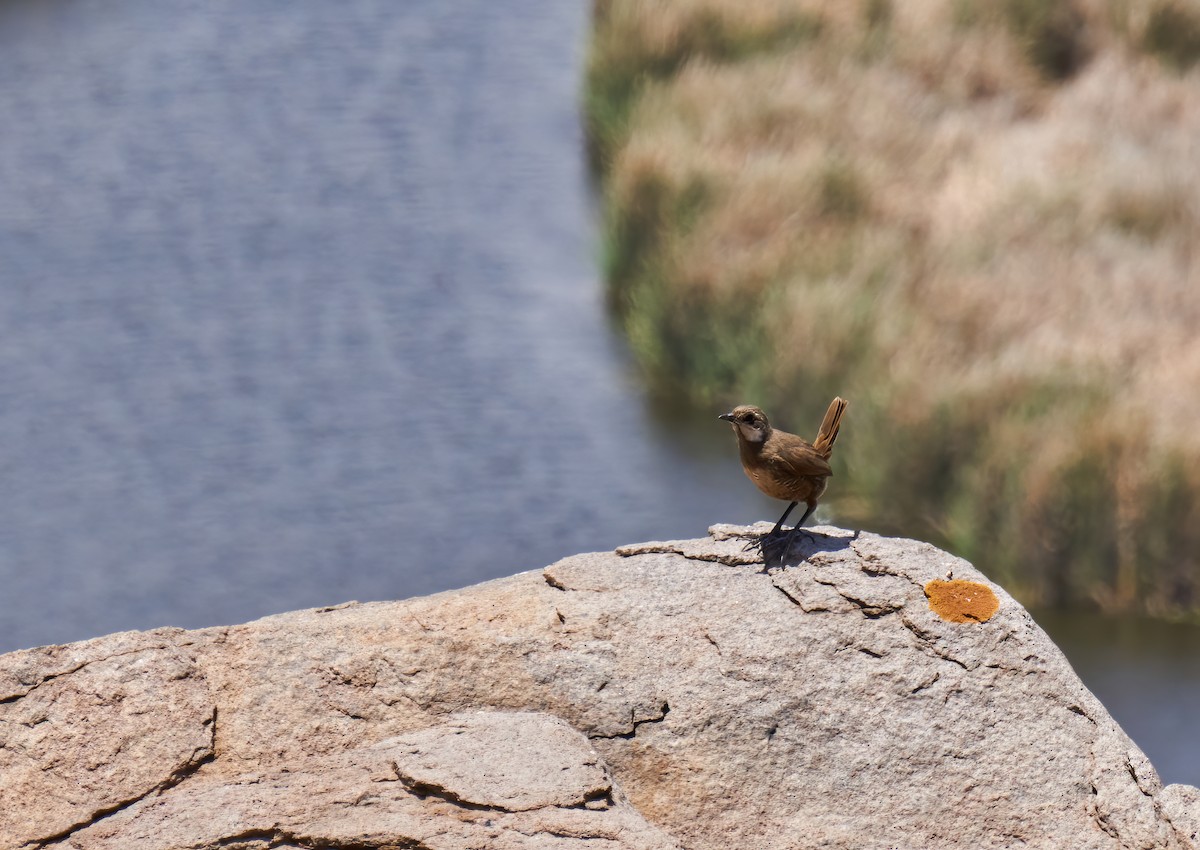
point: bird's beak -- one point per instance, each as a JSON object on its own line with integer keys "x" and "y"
{"x": 728, "y": 417}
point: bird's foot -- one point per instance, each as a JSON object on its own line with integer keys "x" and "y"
{"x": 775, "y": 547}
{"x": 798, "y": 530}
{"x": 758, "y": 542}
{"x": 772, "y": 547}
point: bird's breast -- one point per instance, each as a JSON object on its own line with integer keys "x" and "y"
{"x": 785, "y": 487}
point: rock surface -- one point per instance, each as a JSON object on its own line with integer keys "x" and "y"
{"x": 665, "y": 695}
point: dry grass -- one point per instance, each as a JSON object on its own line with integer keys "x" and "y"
{"x": 977, "y": 219}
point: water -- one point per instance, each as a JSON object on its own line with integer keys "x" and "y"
{"x": 1147, "y": 674}
{"x": 300, "y": 305}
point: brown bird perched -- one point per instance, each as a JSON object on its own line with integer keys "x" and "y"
{"x": 783, "y": 465}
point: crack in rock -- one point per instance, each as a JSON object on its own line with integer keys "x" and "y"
{"x": 423, "y": 790}
{"x": 926, "y": 684}
{"x": 664, "y": 710}
{"x": 928, "y": 643}
{"x": 574, "y": 835}
{"x": 870, "y": 610}
{"x": 648, "y": 549}
{"x": 694, "y": 553}
{"x": 1137, "y": 779}
{"x": 275, "y": 837}
{"x": 794, "y": 600}
{"x": 817, "y": 608}
{"x": 594, "y": 799}
{"x": 50, "y": 677}
{"x": 1101, "y": 818}
{"x": 200, "y": 756}
{"x": 1075, "y": 708}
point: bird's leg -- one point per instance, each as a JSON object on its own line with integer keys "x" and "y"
{"x": 761, "y": 541}
{"x": 796, "y": 527}
{"x": 771, "y": 546}
{"x": 779, "y": 524}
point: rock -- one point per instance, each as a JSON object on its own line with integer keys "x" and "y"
{"x": 476, "y": 779}
{"x": 666, "y": 695}
{"x": 87, "y": 727}
{"x": 1181, "y": 805}
{"x": 504, "y": 761}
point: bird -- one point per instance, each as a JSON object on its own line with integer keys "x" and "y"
{"x": 783, "y": 465}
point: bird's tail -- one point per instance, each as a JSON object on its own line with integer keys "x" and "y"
{"x": 829, "y": 427}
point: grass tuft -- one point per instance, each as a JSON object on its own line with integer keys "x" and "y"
{"x": 1173, "y": 34}
{"x": 1052, "y": 33}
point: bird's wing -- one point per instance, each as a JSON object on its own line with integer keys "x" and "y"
{"x": 797, "y": 458}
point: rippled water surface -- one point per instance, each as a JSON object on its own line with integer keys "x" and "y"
{"x": 300, "y": 305}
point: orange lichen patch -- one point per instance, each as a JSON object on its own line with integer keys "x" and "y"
{"x": 962, "y": 601}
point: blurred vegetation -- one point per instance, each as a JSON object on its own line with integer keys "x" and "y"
{"x": 1172, "y": 32}
{"x": 976, "y": 220}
